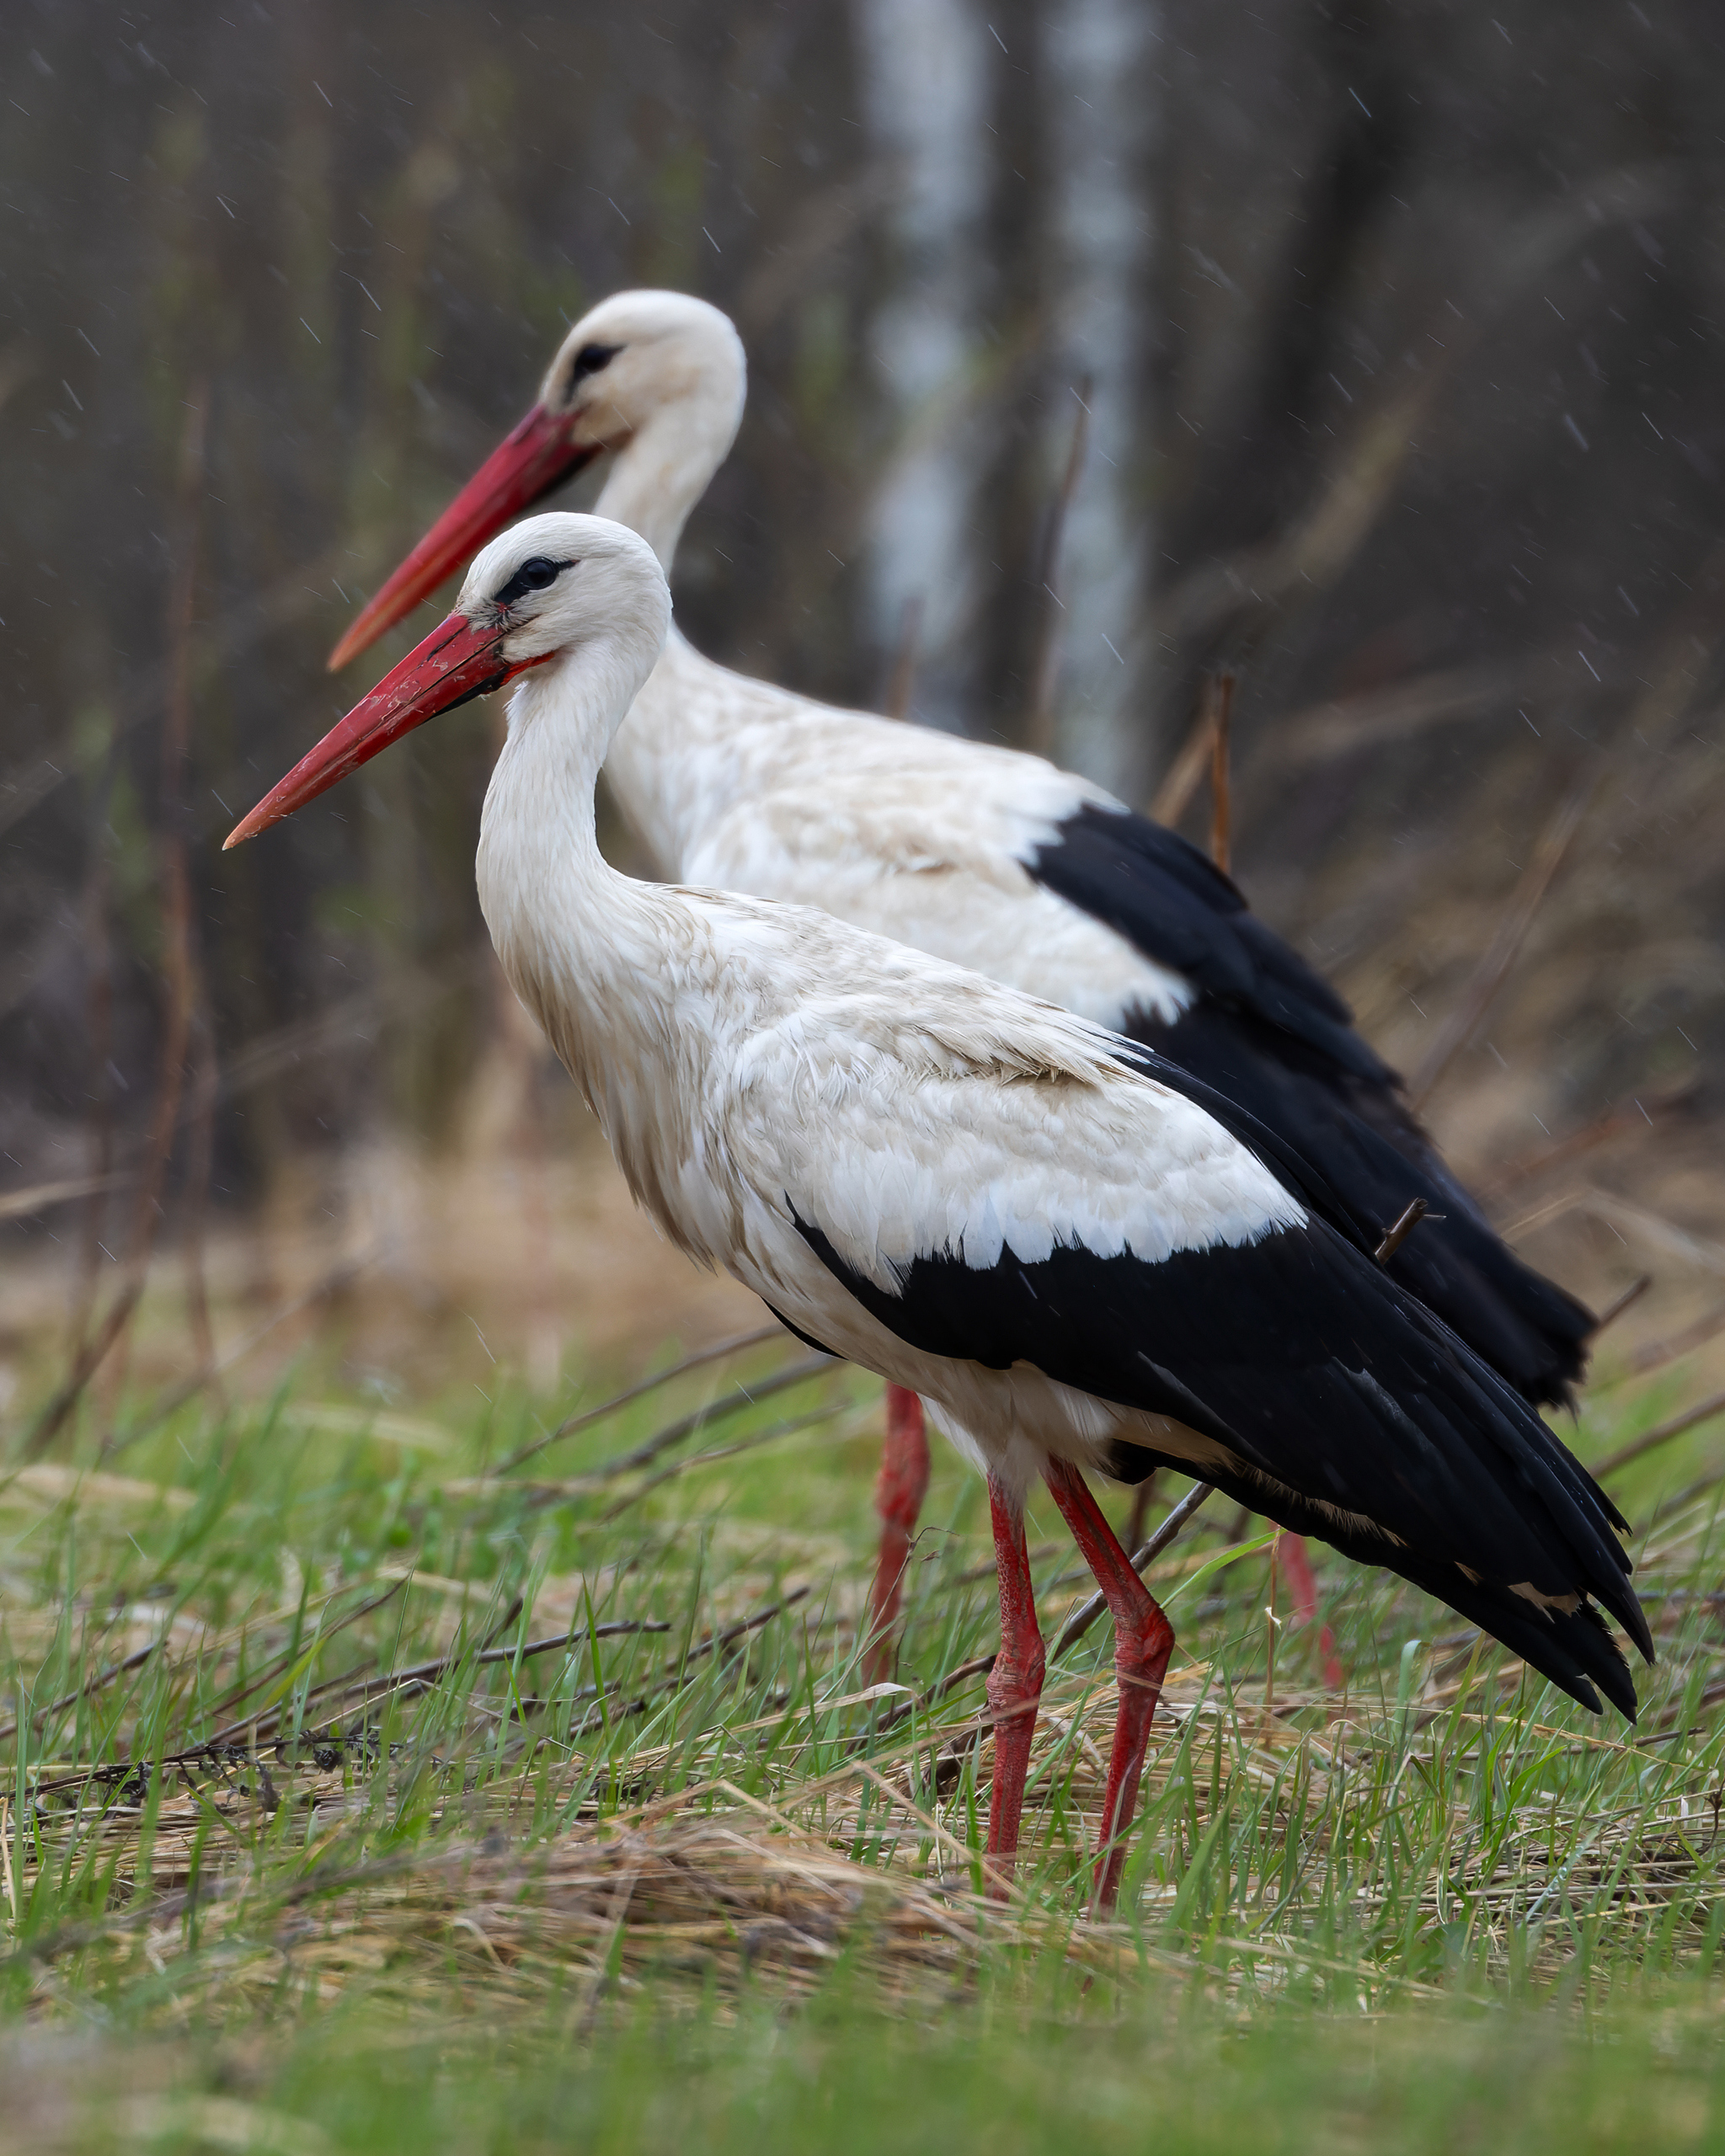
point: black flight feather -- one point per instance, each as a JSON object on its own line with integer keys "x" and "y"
{"x": 1270, "y": 1034}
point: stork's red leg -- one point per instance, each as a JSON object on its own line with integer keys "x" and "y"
{"x": 1292, "y": 1556}
{"x": 1144, "y": 1639}
{"x": 899, "y": 1492}
{"x": 1014, "y": 1683}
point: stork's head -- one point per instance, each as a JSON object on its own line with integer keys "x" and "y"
{"x": 640, "y": 367}
{"x": 552, "y": 590}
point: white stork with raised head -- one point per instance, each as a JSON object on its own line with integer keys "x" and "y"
{"x": 1082, "y": 1257}
{"x": 993, "y": 859}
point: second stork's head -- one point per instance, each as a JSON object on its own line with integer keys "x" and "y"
{"x": 658, "y": 378}
{"x": 556, "y": 591}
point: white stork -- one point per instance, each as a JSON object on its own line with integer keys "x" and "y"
{"x": 993, "y": 859}
{"x": 1079, "y": 1254}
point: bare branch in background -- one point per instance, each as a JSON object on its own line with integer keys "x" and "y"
{"x": 1627, "y": 1300}
{"x": 1221, "y": 804}
{"x": 1705, "y": 1410}
{"x": 20, "y": 1204}
{"x": 1637, "y": 1113}
{"x": 178, "y": 961}
{"x": 901, "y": 676}
{"x": 1196, "y": 756}
{"x": 1045, "y": 664}
{"x": 1655, "y": 1354}
{"x": 1459, "y": 1028}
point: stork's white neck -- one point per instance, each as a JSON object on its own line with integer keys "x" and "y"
{"x": 662, "y": 471}
{"x": 582, "y": 946}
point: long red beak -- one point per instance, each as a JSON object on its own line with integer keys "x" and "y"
{"x": 523, "y": 468}
{"x": 456, "y": 663}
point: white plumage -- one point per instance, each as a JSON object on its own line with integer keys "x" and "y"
{"x": 992, "y": 859}
{"x": 1064, "y": 1244}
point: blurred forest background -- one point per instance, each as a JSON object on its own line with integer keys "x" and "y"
{"x": 1371, "y": 352}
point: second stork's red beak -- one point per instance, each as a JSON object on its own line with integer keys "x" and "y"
{"x": 456, "y": 663}
{"x": 523, "y": 468}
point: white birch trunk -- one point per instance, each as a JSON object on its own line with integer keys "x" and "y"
{"x": 925, "y": 72}
{"x": 1101, "y": 119}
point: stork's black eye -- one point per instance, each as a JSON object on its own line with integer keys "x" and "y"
{"x": 538, "y": 574}
{"x": 592, "y": 358}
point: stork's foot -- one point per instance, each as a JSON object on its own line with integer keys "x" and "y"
{"x": 1144, "y": 1639}
{"x": 1014, "y": 1685}
{"x": 899, "y": 1491}
{"x": 1295, "y": 1561}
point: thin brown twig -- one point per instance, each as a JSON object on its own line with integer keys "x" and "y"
{"x": 715, "y": 1453}
{"x": 1656, "y": 1354}
{"x": 1406, "y": 1222}
{"x": 1183, "y": 775}
{"x": 38, "y": 1197}
{"x": 1631, "y": 1114}
{"x": 1045, "y": 661}
{"x": 366, "y": 1690}
{"x": 195, "y": 1211}
{"x": 343, "y": 1685}
{"x": 901, "y": 678}
{"x": 99, "y": 1017}
{"x": 273, "y": 1669}
{"x": 686, "y": 1426}
{"x": 1086, "y": 1615}
{"x": 1221, "y": 802}
{"x": 1650, "y": 1440}
{"x": 1458, "y": 1029}
{"x": 95, "y": 1684}
{"x": 1612, "y": 1311}
{"x": 586, "y": 1419}
{"x": 979, "y": 1666}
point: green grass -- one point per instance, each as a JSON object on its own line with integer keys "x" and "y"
{"x": 678, "y": 1886}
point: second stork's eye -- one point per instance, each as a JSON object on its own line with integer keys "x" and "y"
{"x": 592, "y": 358}
{"x": 538, "y": 574}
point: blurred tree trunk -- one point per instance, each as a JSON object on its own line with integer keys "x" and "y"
{"x": 1103, "y": 109}
{"x": 924, "y": 87}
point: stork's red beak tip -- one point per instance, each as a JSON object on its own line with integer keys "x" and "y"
{"x": 455, "y": 661}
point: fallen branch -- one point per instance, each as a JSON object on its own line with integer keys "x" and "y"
{"x": 95, "y": 1684}
{"x": 232, "y": 1698}
{"x": 720, "y": 1348}
{"x": 715, "y": 1453}
{"x": 673, "y": 1433}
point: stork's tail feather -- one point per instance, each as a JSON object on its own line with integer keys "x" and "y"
{"x": 1573, "y": 1647}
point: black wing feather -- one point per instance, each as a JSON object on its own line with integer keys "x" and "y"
{"x": 1354, "y": 1415}
{"x": 1270, "y": 1034}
